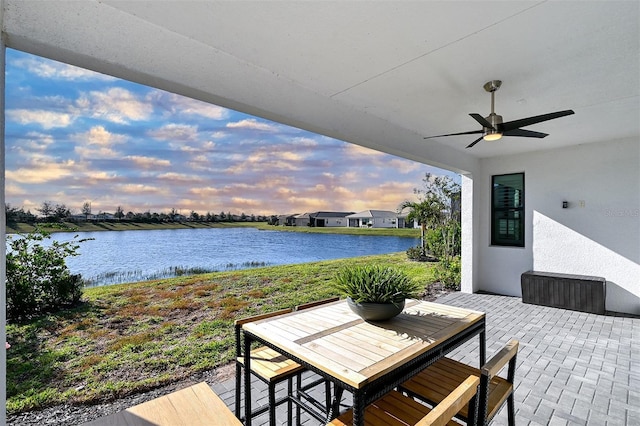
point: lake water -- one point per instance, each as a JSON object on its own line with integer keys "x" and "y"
{"x": 126, "y": 256}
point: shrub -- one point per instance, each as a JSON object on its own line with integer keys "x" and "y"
{"x": 38, "y": 279}
{"x": 448, "y": 273}
{"x": 375, "y": 284}
{"x": 413, "y": 253}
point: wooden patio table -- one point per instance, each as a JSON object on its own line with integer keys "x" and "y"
{"x": 366, "y": 358}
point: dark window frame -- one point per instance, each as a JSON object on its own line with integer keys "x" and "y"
{"x": 507, "y": 221}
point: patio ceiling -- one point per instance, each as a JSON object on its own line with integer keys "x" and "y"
{"x": 379, "y": 74}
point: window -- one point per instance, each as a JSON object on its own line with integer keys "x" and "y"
{"x": 507, "y": 210}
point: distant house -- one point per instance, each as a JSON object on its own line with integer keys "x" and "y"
{"x": 287, "y": 219}
{"x": 329, "y": 219}
{"x": 403, "y": 222}
{"x": 303, "y": 219}
{"x": 374, "y": 219}
{"x": 102, "y": 216}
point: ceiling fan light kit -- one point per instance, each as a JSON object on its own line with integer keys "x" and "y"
{"x": 493, "y": 128}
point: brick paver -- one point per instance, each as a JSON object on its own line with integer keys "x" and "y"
{"x": 573, "y": 368}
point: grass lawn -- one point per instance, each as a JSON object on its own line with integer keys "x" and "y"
{"x": 129, "y": 338}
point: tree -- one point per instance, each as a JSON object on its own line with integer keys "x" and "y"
{"x": 46, "y": 209}
{"x": 444, "y": 193}
{"x": 61, "y": 212}
{"x": 438, "y": 210}
{"x": 38, "y": 279}
{"x": 119, "y": 214}
{"x": 421, "y": 212}
{"x": 86, "y": 209}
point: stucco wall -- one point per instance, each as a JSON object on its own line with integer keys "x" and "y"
{"x": 598, "y": 234}
{"x": 335, "y": 221}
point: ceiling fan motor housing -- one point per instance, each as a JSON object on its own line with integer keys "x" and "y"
{"x": 496, "y": 122}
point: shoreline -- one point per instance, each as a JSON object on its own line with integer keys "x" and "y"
{"x": 21, "y": 227}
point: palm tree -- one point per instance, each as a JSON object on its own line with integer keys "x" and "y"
{"x": 425, "y": 212}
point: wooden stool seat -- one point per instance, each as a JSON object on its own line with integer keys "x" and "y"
{"x": 197, "y": 405}
{"x": 271, "y": 365}
{"x": 397, "y": 409}
{"x": 434, "y": 383}
{"x": 437, "y": 381}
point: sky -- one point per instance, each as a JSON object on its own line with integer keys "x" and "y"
{"x": 75, "y": 136}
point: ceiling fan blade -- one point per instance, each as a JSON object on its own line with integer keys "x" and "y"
{"x": 523, "y": 122}
{"x": 483, "y": 121}
{"x": 470, "y": 132}
{"x": 474, "y": 142}
{"x": 524, "y": 133}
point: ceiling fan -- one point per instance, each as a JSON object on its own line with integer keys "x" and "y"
{"x": 493, "y": 128}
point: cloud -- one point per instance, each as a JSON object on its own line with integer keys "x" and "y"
{"x": 204, "y": 146}
{"x": 252, "y": 124}
{"x": 274, "y": 158}
{"x": 139, "y": 189}
{"x": 240, "y": 202}
{"x": 46, "y": 119}
{"x": 263, "y": 161}
{"x": 175, "y": 132}
{"x": 180, "y": 178}
{"x": 117, "y": 105}
{"x": 208, "y": 191}
{"x": 219, "y": 135}
{"x": 32, "y": 142}
{"x": 43, "y": 170}
{"x": 404, "y": 166}
{"x": 98, "y": 135}
{"x": 53, "y": 70}
{"x": 180, "y": 105}
{"x": 95, "y": 152}
{"x": 13, "y": 190}
{"x": 148, "y": 162}
{"x": 97, "y": 142}
{"x": 357, "y": 151}
{"x": 100, "y": 177}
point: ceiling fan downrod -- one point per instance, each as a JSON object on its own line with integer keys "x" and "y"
{"x": 493, "y": 133}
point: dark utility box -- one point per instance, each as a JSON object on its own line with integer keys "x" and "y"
{"x": 575, "y": 292}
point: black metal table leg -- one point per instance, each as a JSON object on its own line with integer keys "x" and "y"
{"x": 483, "y": 348}
{"x": 358, "y": 409}
{"x": 334, "y": 411}
{"x": 247, "y": 380}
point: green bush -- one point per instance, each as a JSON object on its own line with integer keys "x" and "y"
{"x": 375, "y": 284}
{"x": 414, "y": 253}
{"x": 448, "y": 273}
{"x": 38, "y": 279}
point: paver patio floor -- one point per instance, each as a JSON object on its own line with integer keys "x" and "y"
{"x": 573, "y": 368}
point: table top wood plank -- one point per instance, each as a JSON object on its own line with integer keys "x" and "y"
{"x": 360, "y": 350}
{"x": 366, "y": 347}
{"x": 295, "y": 328}
{"x": 388, "y": 340}
{"x": 349, "y": 361}
{"x": 332, "y": 316}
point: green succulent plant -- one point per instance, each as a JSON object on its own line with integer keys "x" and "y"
{"x": 375, "y": 284}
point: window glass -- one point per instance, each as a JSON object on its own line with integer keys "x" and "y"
{"x": 507, "y": 210}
